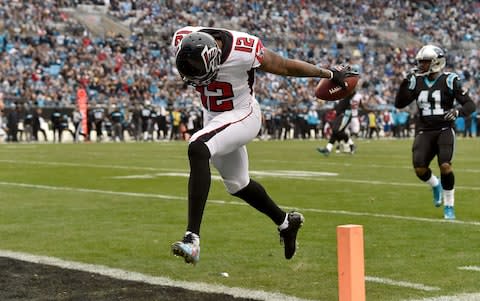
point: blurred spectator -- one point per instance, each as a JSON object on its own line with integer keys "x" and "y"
{"x": 46, "y": 55}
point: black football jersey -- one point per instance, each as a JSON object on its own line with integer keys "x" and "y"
{"x": 434, "y": 99}
{"x": 343, "y": 105}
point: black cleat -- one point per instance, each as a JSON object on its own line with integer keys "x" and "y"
{"x": 288, "y": 236}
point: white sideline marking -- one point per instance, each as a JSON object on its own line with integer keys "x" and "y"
{"x": 223, "y": 202}
{"x": 470, "y": 268}
{"x": 289, "y": 174}
{"x": 134, "y": 194}
{"x": 462, "y": 297}
{"x": 307, "y": 174}
{"x": 138, "y": 277}
{"x": 416, "y": 286}
{"x": 390, "y": 216}
{"x": 160, "y": 174}
{"x": 293, "y": 173}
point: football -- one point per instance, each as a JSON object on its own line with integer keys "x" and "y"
{"x": 328, "y": 90}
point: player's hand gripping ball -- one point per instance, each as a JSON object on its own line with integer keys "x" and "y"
{"x": 331, "y": 89}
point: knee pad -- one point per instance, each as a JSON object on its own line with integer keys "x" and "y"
{"x": 198, "y": 150}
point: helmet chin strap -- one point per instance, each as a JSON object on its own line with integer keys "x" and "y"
{"x": 423, "y": 73}
{"x": 428, "y": 72}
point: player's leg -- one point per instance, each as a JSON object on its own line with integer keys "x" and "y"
{"x": 446, "y": 148}
{"x": 354, "y": 130}
{"x": 198, "y": 188}
{"x": 336, "y": 136}
{"x": 233, "y": 168}
{"x": 344, "y": 134}
{"x": 349, "y": 142}
{"x": 424, "y": 150}
{"x": 221, "y": 135}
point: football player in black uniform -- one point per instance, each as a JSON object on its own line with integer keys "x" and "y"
{"x": 343, "y": 110}
{"x": 435, "y": 93}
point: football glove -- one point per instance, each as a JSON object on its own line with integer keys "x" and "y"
{"x": 409, "y": 77}
{"x": 451, "y": 115}
{"x": 338, "y": 75}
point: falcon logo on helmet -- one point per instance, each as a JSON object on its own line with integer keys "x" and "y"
{"x": 435, "y": 55}
{"x": 198, "y": 59}
{"x": 210, "y": 56}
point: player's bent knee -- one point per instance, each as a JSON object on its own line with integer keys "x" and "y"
{"x": 423, "y": 173}
{"x": 234, "y": 186}
{"x": 446, "y": 168}
{"x": 198, "y": 150}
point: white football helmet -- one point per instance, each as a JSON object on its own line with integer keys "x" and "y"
{"x": 435, "y": 55}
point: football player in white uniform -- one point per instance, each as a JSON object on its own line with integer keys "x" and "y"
{"x": 355, "y": 122}
{"x": 221, "y": 65}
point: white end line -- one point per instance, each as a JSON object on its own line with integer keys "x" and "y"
{"x": 138, "y": 277}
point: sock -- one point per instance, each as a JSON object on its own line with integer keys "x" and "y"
{"x": 329, "y": 147}
{"x": 448, "y": 181}
{"x": 433, "y": 181}
{"x": 284, "y": 225}
{"x": 256, "y": 196}
{"x": 198, "y": 184}
{"x": 449, "y": 197}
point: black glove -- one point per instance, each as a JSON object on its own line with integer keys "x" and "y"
{"x": 451, "y": 115}
{"x": 338, "y": 75}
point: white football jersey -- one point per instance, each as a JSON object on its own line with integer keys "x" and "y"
{"x": 233, "y": 87}
{"x": 355, "y": 104}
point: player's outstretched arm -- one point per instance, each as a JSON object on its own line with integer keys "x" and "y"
{"x": 276, "y": 64}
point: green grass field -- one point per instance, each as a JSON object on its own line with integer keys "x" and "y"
{"x": 122, "y": 205}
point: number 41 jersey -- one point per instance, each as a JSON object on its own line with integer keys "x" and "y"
{"x": 434, "y": 98}
{"x": 233, "y": 86}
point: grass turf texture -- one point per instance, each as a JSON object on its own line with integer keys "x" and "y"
{"x": 87, "y": 219}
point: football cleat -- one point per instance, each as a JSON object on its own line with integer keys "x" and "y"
{"x": 324, "y": 151}
{"x": 437, "y": 195}
{"x": 188, "y": 248}
{"x": 288, "y": 236}
{"x": 449, "y": 212}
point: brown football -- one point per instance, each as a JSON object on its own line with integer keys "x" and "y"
{"x": 328, "y": 90}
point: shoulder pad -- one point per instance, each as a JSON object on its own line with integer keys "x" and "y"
{"x": 451, "y": 76}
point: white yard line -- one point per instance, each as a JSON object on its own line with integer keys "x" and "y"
{"x": 138, "y": 277}
{"x": 236, "y": 203}
{"x": 299, "y": 175}
{"x": 462, "y": 297}
{"x": 308, "y": 175}
{"x": 407, "y": 284}
{"x": 126, "y": 167}
{"x": 470, "y": 268}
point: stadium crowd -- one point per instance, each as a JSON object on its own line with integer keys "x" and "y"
{"x": 46, "y": 54}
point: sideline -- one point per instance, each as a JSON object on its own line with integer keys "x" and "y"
{"x": 138, "y": 277}
{"x": 205, "y": 287}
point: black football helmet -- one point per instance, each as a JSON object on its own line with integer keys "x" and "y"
{"x": 198, "y": 58}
